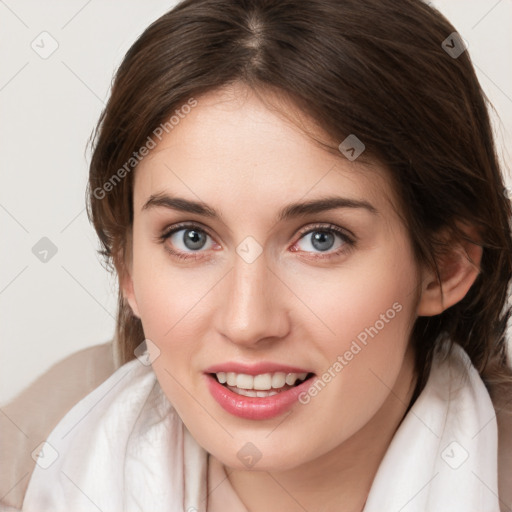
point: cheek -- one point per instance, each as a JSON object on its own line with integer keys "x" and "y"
{"x": 165, "y": 300}
{"x": 168, "y": 296}
{"x": 369, "y": 317}
{"x": 372, "y": 297}
{"x": 172, "y": 314}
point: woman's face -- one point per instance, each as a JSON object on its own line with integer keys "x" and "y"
{"x": 249, "y": 285}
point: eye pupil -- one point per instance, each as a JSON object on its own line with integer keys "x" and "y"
{"x": 322, "y": 240}
{"x": 193, "y": 239}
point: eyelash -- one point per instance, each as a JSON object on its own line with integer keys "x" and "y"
{"x": 349, "y": 242}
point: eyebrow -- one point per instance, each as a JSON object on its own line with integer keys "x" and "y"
{"x": 288, "y": 212}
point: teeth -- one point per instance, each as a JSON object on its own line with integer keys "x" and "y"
{"x": 252, "y": 393}
{"x": 290, "y": 379}
{"x": 244, "y": 381}
{"x": 262, "y": 382}
{"x": 279, "y": 379}
{"x": 262, "y": 394}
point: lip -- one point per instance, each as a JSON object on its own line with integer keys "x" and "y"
{"x": 254, "y": 408}
{"x": 254, "y": 369}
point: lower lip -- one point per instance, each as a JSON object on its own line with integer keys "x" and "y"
{"x": 255, "y": 408}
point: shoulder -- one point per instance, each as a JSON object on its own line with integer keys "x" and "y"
{"x": 28, "y": 419}
{"x": 111, "y": 442}
{"x": 501, "y": 396}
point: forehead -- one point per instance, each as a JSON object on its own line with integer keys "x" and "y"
{"x": 232, "y": 148}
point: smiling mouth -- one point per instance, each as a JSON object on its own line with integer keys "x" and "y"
{"x": 261, "y": 386}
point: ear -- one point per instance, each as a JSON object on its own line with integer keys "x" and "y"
{"x": 125, "y": 273}
{"x": 126, "y": 285}
{"x": 458, "y": 270}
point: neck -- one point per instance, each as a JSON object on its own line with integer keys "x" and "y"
{"x": 341, "y": 476}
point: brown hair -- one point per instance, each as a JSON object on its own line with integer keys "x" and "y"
{"x": 376, "y": 69}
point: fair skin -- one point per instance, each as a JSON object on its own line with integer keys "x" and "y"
{"x": 247, "y": 163}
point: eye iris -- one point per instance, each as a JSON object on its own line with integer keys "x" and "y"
{"x": 319, "y": 240}
{"x": 193, "y": 239}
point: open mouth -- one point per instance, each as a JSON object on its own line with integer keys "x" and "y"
{"x": 261, "y": 386}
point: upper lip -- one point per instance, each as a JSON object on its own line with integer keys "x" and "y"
{"x": 254, "y": 369}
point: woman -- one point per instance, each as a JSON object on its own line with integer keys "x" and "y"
{"x": 303, "y": 204}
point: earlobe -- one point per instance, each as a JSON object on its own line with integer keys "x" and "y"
{"x": 123, "y": 264}
{"x": 128, "y": 293}
{"x": 458, "y": 271}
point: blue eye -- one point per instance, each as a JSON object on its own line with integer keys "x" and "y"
{"x": 186, "y": 238}
{"x": 192, "y": 239}
{"x": 322, "y": 238}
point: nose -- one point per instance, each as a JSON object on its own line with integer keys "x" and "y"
{"x": 253, "y": 308}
